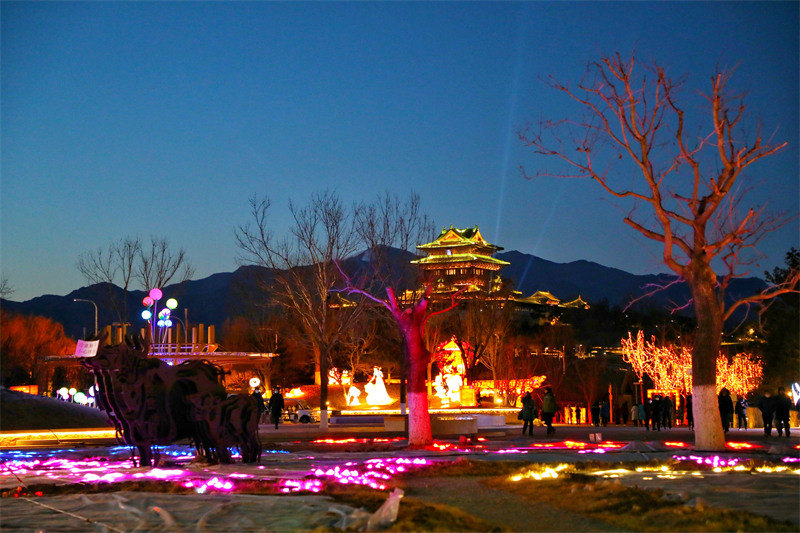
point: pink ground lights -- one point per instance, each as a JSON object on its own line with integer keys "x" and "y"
{"x": 30, "y": 470}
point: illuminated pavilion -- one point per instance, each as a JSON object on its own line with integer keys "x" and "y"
{"x": 460, "y": 258}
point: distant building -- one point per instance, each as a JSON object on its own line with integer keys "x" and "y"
{"x": 546, "y": 298}
{"x": 460, "y": 258}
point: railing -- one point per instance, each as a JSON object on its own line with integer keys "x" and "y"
{"x": 183, "y": 349}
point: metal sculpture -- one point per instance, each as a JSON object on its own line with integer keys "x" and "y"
{"x": 152, "y": 403}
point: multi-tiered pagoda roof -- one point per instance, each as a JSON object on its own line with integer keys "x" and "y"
{"x": 459, "y": 258}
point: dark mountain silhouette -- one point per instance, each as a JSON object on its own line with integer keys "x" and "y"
{"x": 213, "y": 299}
{"x": 594, "y": 282}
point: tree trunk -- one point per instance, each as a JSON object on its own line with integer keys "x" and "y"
{"x": 417, "y": 358}
{"x": 403, "y": 383}
{"x": 322, "y": 357}
{"x": 708, "y": 434}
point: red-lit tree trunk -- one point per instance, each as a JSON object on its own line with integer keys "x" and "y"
{"x": 411, "y": 322}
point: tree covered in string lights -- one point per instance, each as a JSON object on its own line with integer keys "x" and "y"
{"x": 670, "y": 367}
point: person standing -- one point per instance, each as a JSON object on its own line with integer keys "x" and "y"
{"x": 667, "y": 410}
{"x": 641, "y": 414}
{"x": 783, "y": 404}
{"x": 725, "y": 408}
{"x": 689, "y": 412}
{"x": 635, "y": 414}
{"x": 275, "y": 407}
{"x": 741, "y": 412}
{"x": 595, "y": 411}
{"x": 605, "y": 412}
{"x": 549, "y": 409}
{"x": 527, "y": 414}
{"x": 767, "y": 407}
{"x": 655, "y": 412}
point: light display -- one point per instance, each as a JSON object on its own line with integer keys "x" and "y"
{"x": 376, "y": 390}
{"x": 669, "y": 367}
{"x": 48, "y": 466}
{"x": 452, "y": 371}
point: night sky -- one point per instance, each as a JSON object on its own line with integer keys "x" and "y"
{"x": 163, "y": 119}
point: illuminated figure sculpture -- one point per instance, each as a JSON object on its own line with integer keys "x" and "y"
{"x": 454, "y": 382}
{"x": 352, "y": 396}
{"x": 441, "y": 390}
{"x": 376, "y": 390}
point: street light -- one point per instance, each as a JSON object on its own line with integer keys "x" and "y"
{"x": 95, "y": 311}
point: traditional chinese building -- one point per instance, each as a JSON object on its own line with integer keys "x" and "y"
{"x": 460, "y": 258}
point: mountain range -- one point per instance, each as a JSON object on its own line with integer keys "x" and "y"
{"x": 213, "y": 299}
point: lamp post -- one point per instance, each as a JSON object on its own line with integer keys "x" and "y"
{"x": 95, "y": 311}
{"x": 185, "y": 333}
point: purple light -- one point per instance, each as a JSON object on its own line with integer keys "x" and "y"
{"x": 117, "y": 467}
{"x": 156, "y": 294}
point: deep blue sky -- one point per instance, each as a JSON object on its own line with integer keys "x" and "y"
{"x": 164, "y": 118}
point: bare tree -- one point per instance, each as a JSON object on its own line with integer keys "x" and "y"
{"x": 114, "y": 267}
{"x": 390, "y": 221}
{"x": 305, "y": 271}
{"x": 691, "y": 189}
{"x": 411, "y": 322}
{"x": 483, "y": 323}
{"x": 158, "y": 264}
{"x": 5, "y": 288}
{"x": 126, "y": 260}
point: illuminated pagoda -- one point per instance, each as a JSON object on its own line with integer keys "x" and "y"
{"x": 460, "y": 258}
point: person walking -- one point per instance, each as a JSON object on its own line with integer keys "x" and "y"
{"x": 725, "y": 408}
{"x": 259, "y": 402}
{"x": 635, "y": 414}
{"x": 549, "y": 409}
{"x": 783, "y": 404}
{"x": 767, "y": 407}
{"x": 741, "y": 412}
{"x": 527, "y": 414}
{"x": 275, "y": 407}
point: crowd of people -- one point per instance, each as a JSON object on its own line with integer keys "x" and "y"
{"x": 660, "y": 412}
{"x": 656, "y": 413}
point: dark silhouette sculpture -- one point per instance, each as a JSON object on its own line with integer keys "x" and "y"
{"x": 152, "y": 403}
